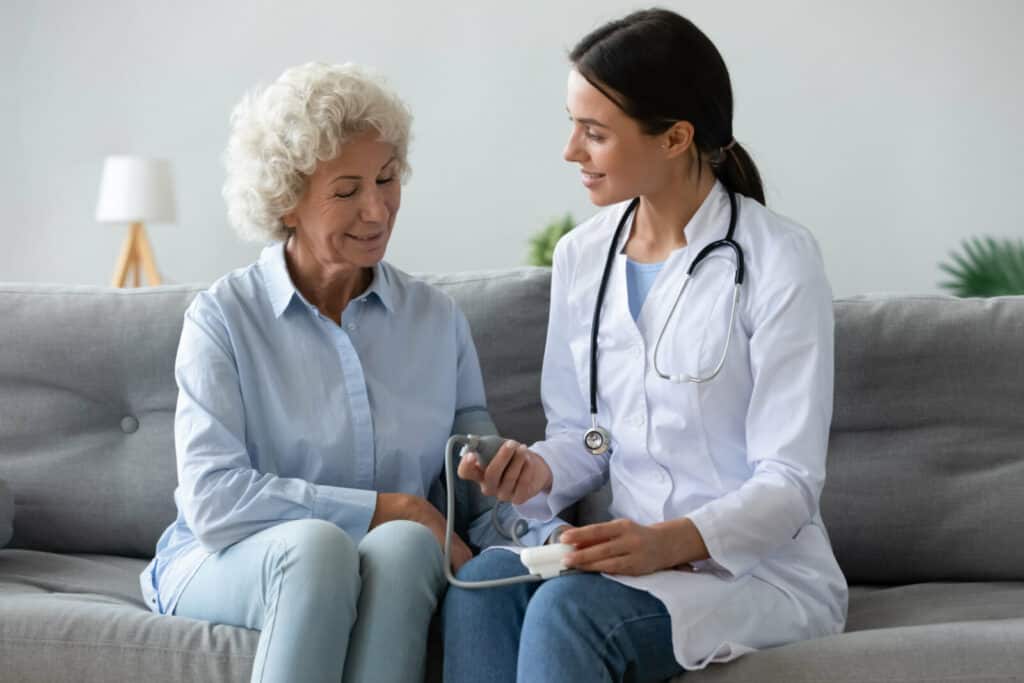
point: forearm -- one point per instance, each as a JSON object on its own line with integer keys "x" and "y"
{"x": 681, "y": 541}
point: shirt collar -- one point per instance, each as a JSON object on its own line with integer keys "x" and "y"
{"x": 281, "y": 290}
{"x": 709, "y": 223}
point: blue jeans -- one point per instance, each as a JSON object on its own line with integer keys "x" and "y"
{"x": 579, "y": 627}
{"x": 302, "y": 583}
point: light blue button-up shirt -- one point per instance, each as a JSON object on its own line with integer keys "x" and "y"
{"x": 284, "y": 415}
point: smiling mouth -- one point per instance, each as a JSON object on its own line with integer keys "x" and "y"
{"x": 366, "y": 238}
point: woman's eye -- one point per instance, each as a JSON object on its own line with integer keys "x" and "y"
{"x": 385, "y": 181}
{"x": 591, "y": 135}
{"x": 345, "y": 195}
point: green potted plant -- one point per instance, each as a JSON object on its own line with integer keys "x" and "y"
{"x": 986, "y": 267}
{"x": 542, "y": 244}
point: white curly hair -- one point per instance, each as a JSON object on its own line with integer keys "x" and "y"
{"x": 280, "y": 132}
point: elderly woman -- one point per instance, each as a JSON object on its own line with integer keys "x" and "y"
{"x": 317, "y": 388}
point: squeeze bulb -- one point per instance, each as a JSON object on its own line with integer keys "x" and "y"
{"x": 485, "y": 447}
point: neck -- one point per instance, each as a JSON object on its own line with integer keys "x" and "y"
{"x": 662, "y": 216}
{"x": 329, "y": 287}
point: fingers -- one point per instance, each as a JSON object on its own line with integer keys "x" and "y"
{"x": 496, "y": 469}
{"x": 585, "y": 558}
{"x": 469, "y": 468}
{"x": 591, "y": 534}
{"x": 510, "y": 478}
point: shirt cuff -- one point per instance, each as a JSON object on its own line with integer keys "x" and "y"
{"x": 350, "y": 509}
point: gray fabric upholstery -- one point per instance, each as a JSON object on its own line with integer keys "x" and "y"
{"x": 926, "y": 456}
{"x": 6, "y": 514}
{"x": 87, "y": 397}
{"x": 970, "y": 652}
{"x": 85, "y": 613}
{"x": 81, "y": 618}
{"x": 925, "y": 480}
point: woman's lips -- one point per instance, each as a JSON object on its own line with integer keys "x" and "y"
{"x": 591, "y": 179}
{"x": 370, "y": 241}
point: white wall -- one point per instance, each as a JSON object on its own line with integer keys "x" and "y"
{"x": 891, "y": 129}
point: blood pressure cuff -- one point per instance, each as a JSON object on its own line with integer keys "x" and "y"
{"x": 6, "y": 514}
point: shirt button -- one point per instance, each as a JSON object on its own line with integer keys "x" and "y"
{"x": 350, "y": 327}
{"x": 129, "y": 424}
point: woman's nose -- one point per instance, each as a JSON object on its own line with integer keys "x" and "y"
{"x": 374, "y": 208}
{"x": 572, "y": 149}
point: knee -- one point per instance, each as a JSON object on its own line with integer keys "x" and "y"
{"x": 400, "y": 546}
{"x": 495, "y": 564}
{"x": 559, "y": 607}
{"x": 318, "y": 550}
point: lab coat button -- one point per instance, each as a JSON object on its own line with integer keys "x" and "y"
{"x": 129, "y": 424}
{"x": 350, "y": 327}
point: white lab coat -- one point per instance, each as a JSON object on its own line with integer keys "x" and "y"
{"x": 743, "y": 456}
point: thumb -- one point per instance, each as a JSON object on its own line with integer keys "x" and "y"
{"x": 469, "y": 469}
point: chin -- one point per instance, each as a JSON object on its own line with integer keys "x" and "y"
{"x": 605, "y": 198}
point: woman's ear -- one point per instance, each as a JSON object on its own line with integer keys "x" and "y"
{"x": 678, "y": 139}
{"x": 290, "y": 220}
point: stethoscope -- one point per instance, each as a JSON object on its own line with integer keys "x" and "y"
{"x": 597, "y": 439}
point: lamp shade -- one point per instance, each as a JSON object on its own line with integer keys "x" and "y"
{"x": 135, "y": 189}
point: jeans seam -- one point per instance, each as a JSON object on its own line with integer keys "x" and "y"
{"x": 264, "y": 632}
{"x": 619, "y": 626}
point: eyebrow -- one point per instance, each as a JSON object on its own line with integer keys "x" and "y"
{"x": 587, "y": 122}
{"x": 359, "y": 177}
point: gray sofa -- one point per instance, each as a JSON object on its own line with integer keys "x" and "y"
{"x": 924, "y": 501}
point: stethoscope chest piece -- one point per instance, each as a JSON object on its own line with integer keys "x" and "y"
{"x": 596, "y": 440}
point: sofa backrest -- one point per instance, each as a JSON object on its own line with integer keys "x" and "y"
{"x": 926, "y": 460}
{"x": 926, "y": 455}
{"x": 87, "y": 399}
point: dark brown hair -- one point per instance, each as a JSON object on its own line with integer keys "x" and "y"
{"x": 659, "y": 68}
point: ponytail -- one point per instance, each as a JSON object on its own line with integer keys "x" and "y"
{"x": 737, "y": 171}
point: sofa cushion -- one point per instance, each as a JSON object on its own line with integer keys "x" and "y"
{"x": 925, "y": 632}
{"x": 926, "y": 456}
{"x": 963, "y": 652}
{"x": 6, "y": 514}
{"x": 87, "y": 393}
{"x": 84, "y": 614}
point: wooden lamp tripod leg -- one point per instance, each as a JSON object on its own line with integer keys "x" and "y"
{"x": 144, "y": 252}
{"x": 128, "y": 259}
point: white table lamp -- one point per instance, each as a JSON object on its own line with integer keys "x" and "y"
{"x": 136, "y": 190}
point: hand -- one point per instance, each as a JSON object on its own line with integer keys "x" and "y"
{"x": 515, "y": 474}
{"x": 395, "y": 506}
{"x": 624, "y": 547}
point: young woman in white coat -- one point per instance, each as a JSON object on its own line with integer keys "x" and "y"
{"x": 716, "y": 547}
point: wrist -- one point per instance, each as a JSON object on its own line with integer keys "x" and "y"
{"x": 547, "y": 476}
{"x": 682, "y": 542}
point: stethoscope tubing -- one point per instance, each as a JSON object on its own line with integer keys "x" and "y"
{"x": 728, "y": 242}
